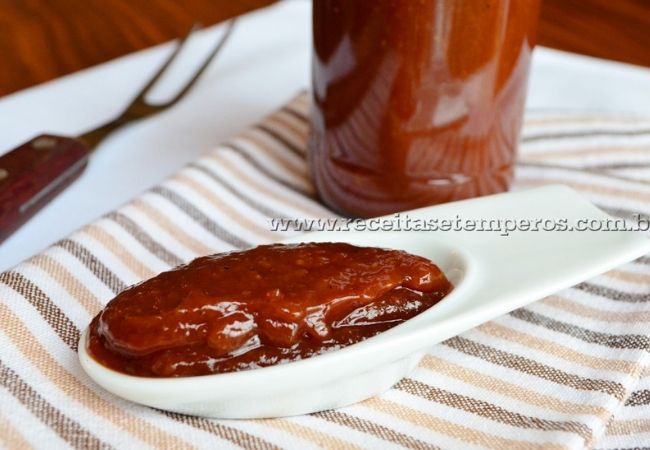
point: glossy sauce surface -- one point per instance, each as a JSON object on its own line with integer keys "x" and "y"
{"x": 268, "y": 305}
{"x": 417, "y": 102}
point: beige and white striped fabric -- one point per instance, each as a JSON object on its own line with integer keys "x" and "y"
{"x": 570, "y": 371}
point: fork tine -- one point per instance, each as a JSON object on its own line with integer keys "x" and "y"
{"x": 139, "y": 107}
{"x": 143, "y": 92}
{"x": 206, "y": 62}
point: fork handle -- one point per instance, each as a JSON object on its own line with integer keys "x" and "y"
{"x": 32, "y": 174}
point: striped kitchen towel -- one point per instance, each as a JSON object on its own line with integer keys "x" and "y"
{"x": 569, "y": 371}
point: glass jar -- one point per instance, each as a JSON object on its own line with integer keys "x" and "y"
{"x": 416, "y": 102}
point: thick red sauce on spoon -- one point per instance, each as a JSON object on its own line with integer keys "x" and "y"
{"x": 268, "y": 305}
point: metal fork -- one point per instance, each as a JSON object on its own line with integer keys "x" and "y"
{"x": 32, "y": 174}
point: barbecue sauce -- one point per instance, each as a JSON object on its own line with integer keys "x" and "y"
{"x": 416, "y": 102}
{"x": 268, "y": 305}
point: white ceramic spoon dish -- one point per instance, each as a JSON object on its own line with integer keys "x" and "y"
{"x": 492, "y": 274}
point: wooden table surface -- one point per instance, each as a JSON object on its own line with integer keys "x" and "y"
{"x": 44, "y": 39}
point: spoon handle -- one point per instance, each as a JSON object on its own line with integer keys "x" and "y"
{"x": 547, "y": 239}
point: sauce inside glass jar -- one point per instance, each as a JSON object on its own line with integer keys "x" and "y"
{"x": 417, "y": 102}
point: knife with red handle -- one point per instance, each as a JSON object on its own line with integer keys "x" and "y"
{"x": 34, "y": 173}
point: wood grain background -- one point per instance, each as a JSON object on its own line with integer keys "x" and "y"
{"x": 44, "y": 39}
{"x": 611, "y": 29}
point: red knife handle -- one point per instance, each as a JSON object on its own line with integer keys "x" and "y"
{"x": 33, "y": 174}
